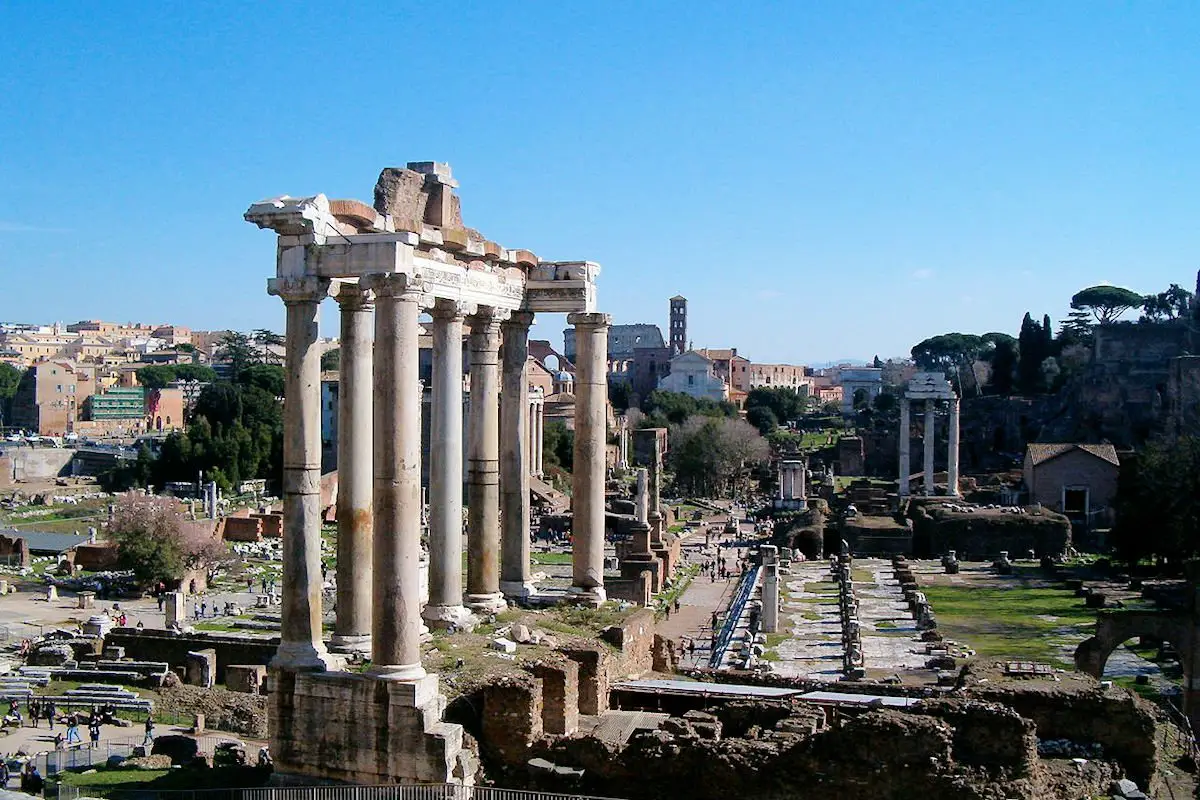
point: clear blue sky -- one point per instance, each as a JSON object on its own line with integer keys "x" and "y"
{"x": 820, "y": 180}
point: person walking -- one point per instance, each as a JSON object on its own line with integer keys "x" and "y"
{"x": 73, "y": 736}
{"x": 35, "y": 710}
{"x": 94, "y": 733}
{"x": 48, "y": 712}
{"x": 148, "y": 741}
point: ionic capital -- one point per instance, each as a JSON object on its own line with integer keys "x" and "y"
{"x": 299, "y": 290}
{"x": 594, "y": 320}
{"x": 452, "y": 310}
{"x": 487, "y": 319}
{"x": 519, "y": 319}
{"x": 399, "y": 286}
{"x": 353, "y": 296}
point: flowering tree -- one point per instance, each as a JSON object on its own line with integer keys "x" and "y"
{"x": 156, "y": 543}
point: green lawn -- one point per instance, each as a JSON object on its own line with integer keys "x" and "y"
{"x": 550, "y": 558}
{"x": 1011, "y": 620}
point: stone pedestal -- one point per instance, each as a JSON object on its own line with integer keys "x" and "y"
{"x": 372, "y": 732}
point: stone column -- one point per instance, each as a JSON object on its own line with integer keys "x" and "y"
{"x": 905, "y": 447}
{"x": 300, "y": 645}
{"x": 445, "y": 606}
{"x": 514, "y": 457}
{"x": 396, "y": 628}
{"x": 352, "y": 630}
{"x": 952, "y": 455}
{"x": 930, "y": 416}
{"x": 540, "y": 440}
{"x": 587, "y": 480}
{"x": 483, "y": 454}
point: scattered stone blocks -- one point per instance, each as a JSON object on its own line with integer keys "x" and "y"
{"x": 245, "y": 678}
{"x": 201, "y": 668}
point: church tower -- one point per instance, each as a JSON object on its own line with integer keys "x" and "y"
{"x": 678, "y": 333}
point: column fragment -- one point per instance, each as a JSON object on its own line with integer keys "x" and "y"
{"x": 396, "y": 628}
{"x": 445, "y": 606}
{"x": 483, "y": 452}
{"x": 515, "y": 578}
{"x": 352, "y": 629}
{"x": 587, "y": 501}
{"x": 300, "y": 645}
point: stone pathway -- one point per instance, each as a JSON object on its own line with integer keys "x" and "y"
{"x": 810, "y": 612}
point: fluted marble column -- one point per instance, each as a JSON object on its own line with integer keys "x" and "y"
{"x": 905, "y": 447}
{"x": 396, "y": 629}
{"x": 952, "y": 454}
{"x": 483, "y": 455}
{"x": 539, "y": 439}
{"x": 515, "y": 576}
{"x": 930, "y": 417}
{"x": 300, "y": 645}
{"x": 587, "y": 500}
{"x": 352, "y": 629}
{"x": 445, "y": 606}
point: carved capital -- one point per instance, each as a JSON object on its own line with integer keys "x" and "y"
{"x": 592, "y": 320}
{"x": 352, "y": 296}
{"x": 519, "y": 319}
{"x": 487, "y": 319}
{"x": 452, "y": 309}
{"x": 398, "y": 286}
{"x": 299, "y": 290}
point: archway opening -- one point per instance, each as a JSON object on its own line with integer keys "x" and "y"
{"x": 1146, "y": 664}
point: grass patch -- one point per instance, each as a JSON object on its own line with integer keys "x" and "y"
{"x": 1011, "y": 620}
{"x": 550, "y": 558}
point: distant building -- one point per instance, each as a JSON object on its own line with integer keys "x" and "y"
{"x": 678, "y": 325}
{"x": 868, "y": 380}
{"x": 1077, "y": 480}
{"x": 694, "y": 374}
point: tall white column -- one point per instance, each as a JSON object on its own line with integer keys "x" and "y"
{"x": 587, "y": 497}
{"x": 540, "y": 443}
{"x": 483, "y": 473}
{"x": 905, "y": 447}
{"x": 352, "y": 629}
{"x": 300, "y": 645}
{"x": 930, "y": 416}
{"x": 515, "y": 575}
{"x": 445, "y": 606}
{"x": 952, "y": 454}
{"x": 396, "y": 629}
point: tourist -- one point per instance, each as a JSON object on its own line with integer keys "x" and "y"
{"x": 196, "y": 611}
{"x": 35, "y": 710}
{"x": 676, "y": 605}
{"x": 4, "y": 776}
{"x": 94, "y": 733}
{"x": 31, "y": 780}
{"x": 162, "y": 601}
{"x": 73, "y": 736}
{"x": 48, "y": 711}
{"x": 204, "y": 609}
{"x": 148, "y": 741}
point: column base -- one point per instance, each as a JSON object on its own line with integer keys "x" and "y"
{"x": 490, "y": 603}
{"x": 518, "y": 590}
{"x": 587, "y": 596}
{"x": 443, "y": 617}
{"x": 350, "y": 644}
{"x": 304, "y": 656}
{"x": 408, "y": 673}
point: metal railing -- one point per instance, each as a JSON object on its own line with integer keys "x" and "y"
{"x": 416, "y": 792}
{"x": 736, "y": 606}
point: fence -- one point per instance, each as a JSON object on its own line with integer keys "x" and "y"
{"x": 422, "y": 792}
{"x": 736, "y": 606}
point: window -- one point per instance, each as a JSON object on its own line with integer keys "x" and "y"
{"x": 691, "y": 380}
{"x": 58, "y": 388}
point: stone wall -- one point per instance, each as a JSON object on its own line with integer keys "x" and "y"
{"x": 984, "y": 534}
{"x": 94, "y": 557}
{"x": 15, "y": 551}
{"x": 26, "y": 464}
{"x": 242, "y": 529}
{"x": 512, "y": 717}
{"x": 634, "y": 642}
{"x": 159, "y": 645}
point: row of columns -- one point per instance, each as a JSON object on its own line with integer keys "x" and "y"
{"x": 379, "y": 457}
{"x": 928, "y": 439}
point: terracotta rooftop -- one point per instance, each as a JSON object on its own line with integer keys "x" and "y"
{"x": 1041, "y": 453}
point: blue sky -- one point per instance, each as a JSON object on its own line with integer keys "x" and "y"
{"x": 821, "y": 180}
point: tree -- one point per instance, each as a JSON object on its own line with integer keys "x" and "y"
{"x": 558, "y": 445}
{"x": 710, "y": 456}
{"x": 786, "y": 404}
{"x": 268, "y": 377}
{"x": 676, "y": 407}
{"x": 619, "y": 393}
{"x": 157, "y": 376}
{"x": 1106, "y": 303}
{"x": 156, "y": 543}
{"x": 195, "y": 372}
{"x": 268, "y": 342}
{"x": 1004, "y": 364}
{"x": 1076, "y": 329}
{"x": 1174, "y": 303}
{"x": 1158, "y": 501}
{"x": 877, "y": 363}
{"x": 331, "y": 360}
{"x": 237, "y": 349}
{"x": 762, "y": 418}
{"x": 950, "y": 352}
{"x": 1031, "y": 344}
{"x": 10, "y": 379}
